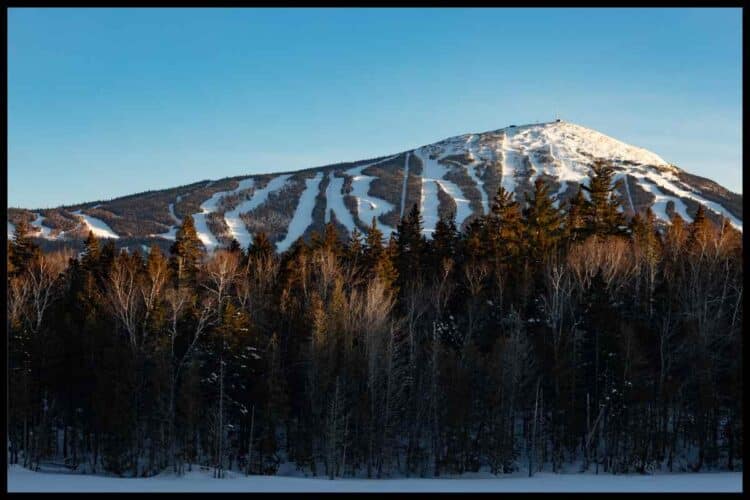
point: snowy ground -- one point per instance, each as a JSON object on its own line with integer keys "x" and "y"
{"x": 22, "y": 480}
{"x": 97, "y": 226}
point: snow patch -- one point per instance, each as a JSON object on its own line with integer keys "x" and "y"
{"x": 39, "y": 222}
{"x": 236, "y": 225}
{"x": 96, "y": 226}
{"x": 335, "y": 202}
{"x": 369, "y": 206}
{"x": 433, "y": 173}
{"x": 303, "y": 214}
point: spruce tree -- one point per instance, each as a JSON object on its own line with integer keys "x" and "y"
{"x": 444, "y": 242}
{"x": 544, "y": 223}
{"x": 602, "y": 215}
{"x": 410, "y": 244}
{"x": 186, "y": 252}
{"x": 22, "y": 248}
{"x": 505, "y": 228}
{"x": 575, "y": 224}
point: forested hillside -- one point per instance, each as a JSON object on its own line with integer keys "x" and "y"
{"x": 533, "y": 337}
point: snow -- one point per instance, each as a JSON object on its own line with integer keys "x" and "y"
{"x": 471, "y": 169}
{"x": 209, "y": 206}
{"x": 335, "y": 202}
{"x": 236, "y": 225}
{"x": 659, "y": 205}
{"x": 671, "y": 185}
{"x": 369, "y": 206}
{"x": 624, "y": 179}
{"x": 39, "y": 222}
{"x": 570, "y": 149}
{"x": 23, "y": 480}
{"x": 172, "y": 233}
{"x": 303, "y": 214}
{"x": 97, "y": 226}
{"x": 433, "y": 173}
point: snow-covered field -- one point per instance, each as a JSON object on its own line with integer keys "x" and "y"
{"x": 23, "y": 480}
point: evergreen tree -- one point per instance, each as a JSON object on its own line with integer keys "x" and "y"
{"x": 354, "y": 247}
{"x": 444, "y": 240}
{"x": 410, "y": 245}
{"x": 22, "y": 249}
{"x": 544, "y": 223}
{"x": 700, "y": 232}
{"x": 234, "y": 246}
{"x": 602, "y": 215}
{"x": 186, "y": 253}
{"x": 575, "y": 223}
{"x": 505, "y": 229}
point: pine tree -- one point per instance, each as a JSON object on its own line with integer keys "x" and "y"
{"x": 186, "y": 253}
{"x": 91, "y": 252}
{"x": 505, "y": 228}
{"x": 575, "y": 223}
{"x": 700, "y": 232}
{"x": 602, "y": 215}
{"x": 234, "y": 246}
{"x": 444, "y": 241}
{"x": 410, "y": 245}
{"x": 354, "y": 248}
{"x": 544, "y": 223}
{"x": 22, "y": 249}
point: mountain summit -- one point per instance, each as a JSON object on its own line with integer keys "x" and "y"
{"x": 458, "y": 175}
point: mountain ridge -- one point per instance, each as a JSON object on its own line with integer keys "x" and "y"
{"x": 458, "y": 174}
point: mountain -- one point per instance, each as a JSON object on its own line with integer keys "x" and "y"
{"x": 459, "y": 175}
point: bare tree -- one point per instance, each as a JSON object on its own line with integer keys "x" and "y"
{"x": 178, "y": 302}
{"x": 123, "y": 295}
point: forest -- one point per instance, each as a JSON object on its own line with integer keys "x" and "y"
{"x": 538, "y": 338}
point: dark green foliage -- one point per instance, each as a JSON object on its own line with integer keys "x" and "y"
{"x": 186, "y": 252}
{"x": 532, "y": 339}
{"x": 601, "y": 212}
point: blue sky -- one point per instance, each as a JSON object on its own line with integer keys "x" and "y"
{"x": 109, "y": 102}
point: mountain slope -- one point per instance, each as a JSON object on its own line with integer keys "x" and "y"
{"x": 458, "y": 175}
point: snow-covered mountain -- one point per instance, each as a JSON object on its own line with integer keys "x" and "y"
{"x": 459, "y": 175}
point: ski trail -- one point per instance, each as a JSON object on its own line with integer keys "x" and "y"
{"x": 39, "y": 221}
{"x": 335, "y": 202}
{"x": 97, "y": 226}
{"x": 508, "y": 181}
{"x": 369, "y": 206}
{"x": 236, "y": 225}
{"x": 209, "y": 206}
{"x": 172, "y": 233}
{"x": 659, "y": 205}
{"x": 432, "y": 177}
{"x": 303, "y": 214}
{"x": 471, "y": 170}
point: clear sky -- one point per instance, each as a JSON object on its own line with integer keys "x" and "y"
{"x": 109, "y": 102}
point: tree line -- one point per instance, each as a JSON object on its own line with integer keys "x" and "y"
{"x": 539, "y": 337}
